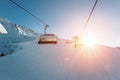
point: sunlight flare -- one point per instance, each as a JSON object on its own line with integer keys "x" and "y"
{"x": 89, "y": 41}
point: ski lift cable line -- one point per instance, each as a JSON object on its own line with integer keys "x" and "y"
{"x": 28, "y": 12}
{"x": 89, "y": 16}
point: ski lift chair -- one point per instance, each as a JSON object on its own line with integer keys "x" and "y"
{"x": 68, "y": 41}
{"x": 48, "y": 39}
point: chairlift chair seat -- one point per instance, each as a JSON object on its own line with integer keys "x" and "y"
{"x": 48, "y": 39}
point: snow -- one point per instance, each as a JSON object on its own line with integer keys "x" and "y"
{"x": 2, "y": 29}
{"x": 15, "y": 29}
{"x": 11, "y": 34}
{"x": 60, "y": 62}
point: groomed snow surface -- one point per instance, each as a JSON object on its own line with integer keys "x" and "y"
{"x": 60, "y": 62}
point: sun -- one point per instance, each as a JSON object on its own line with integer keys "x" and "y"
{"x": 89, "y": 41}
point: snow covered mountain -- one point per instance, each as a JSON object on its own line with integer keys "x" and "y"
{"x": 14, "y": 29}
{"x": 61, "y": 62}
{"x": 12, "y": 34}
{"x": 2, "y": 29}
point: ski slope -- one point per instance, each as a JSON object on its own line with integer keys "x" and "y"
{"x": 60, "y": 62}
{"x": 11, "y": 34}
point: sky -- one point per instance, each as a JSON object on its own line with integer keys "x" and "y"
{"x": 66, "y": 18}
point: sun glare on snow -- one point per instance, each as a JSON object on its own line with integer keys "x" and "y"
{"x": 89, "y": 41}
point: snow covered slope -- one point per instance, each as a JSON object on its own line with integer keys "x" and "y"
{"x": 2, "y": 29}
{"x": 11, "y": 34}
{"x": 61, "y": 62}
{"x": 15, "y": 29}
{"x": 15, "y": 32}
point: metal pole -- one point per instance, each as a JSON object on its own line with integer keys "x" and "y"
{"x": 45, "y": 29}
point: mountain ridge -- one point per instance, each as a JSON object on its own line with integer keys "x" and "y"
{"x": 11, "y": 34}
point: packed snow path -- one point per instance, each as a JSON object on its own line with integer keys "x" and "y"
{"x": 60, "y": 62}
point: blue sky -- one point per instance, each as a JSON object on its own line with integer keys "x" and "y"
{"x": 67, "y": 17}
